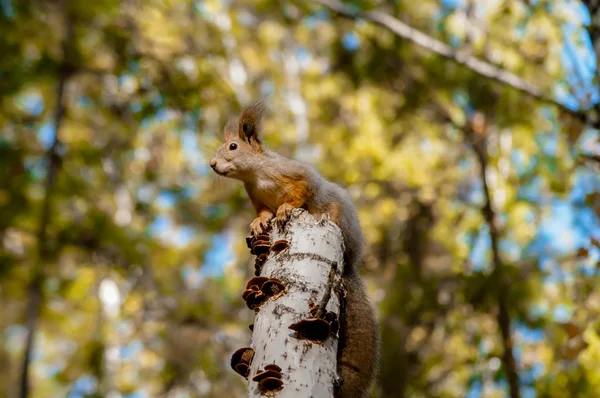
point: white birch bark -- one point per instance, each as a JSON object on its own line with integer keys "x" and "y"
{"x": 308, "y": 369}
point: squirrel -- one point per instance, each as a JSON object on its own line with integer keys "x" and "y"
{"x": 276, "y": 185}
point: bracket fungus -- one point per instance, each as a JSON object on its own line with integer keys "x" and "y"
{"x": 280, "y": 246}
{"x": 272, "y": 366}
{"x": 272, "y": 287}
{"x": 317, "y": 329}
{"x": 259, "y": 262}
{"x": 259, "y": 244}
{"x": 241, "y": 360}
{"x": 313, "y": 329}
{"x": 254, "y": 299}
{"x": 269, "y": 379}
{"x": 259, "y": 289}
{"x": 257, "y": 282}
{"x": 252, "y": 294}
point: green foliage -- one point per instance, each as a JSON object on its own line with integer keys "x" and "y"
{"x": 145, "y": 256}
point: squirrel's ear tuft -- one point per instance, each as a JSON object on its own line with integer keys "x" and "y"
{"x": 250, "y": 123}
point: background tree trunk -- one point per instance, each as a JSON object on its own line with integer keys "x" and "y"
{"x": 310, "y": 268}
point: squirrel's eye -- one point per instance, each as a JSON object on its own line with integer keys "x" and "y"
{"x": 232, "y": 146}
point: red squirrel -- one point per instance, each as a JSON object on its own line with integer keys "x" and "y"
{"x": 276, "y": 185}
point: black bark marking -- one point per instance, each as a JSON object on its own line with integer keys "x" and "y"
{"x": 303, "y": 256}
{"x": 328, "y": 288}
{"x": 281, "y": 309}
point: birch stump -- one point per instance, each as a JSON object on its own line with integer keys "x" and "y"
{"x": 295, "y": 330}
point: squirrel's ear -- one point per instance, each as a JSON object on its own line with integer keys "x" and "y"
{"x": 250, "y": 123}
{"x": 231, "y": 129}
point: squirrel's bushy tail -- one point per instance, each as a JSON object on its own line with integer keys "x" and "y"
{"x": 358, "y": 352}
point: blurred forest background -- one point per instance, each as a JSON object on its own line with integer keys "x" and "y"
{"x": 466, "y": 132}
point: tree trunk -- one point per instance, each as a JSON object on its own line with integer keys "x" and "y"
{"x": 310, "y": 269}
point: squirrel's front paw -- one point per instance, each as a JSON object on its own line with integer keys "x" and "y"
{"x": 283, "y": 213}
{"x": 258, "y": 225}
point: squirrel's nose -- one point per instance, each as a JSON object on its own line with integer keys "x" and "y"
{"x": 213, "y": 163}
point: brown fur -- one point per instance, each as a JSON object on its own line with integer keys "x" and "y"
{"x": 335, "y": 211}
{"x": 276, "y": 185}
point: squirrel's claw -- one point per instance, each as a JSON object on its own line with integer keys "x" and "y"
{"x": 258, "y": 225}
{"x": 283, "y": 213}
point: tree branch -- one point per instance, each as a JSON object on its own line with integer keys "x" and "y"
{"x": 35, "y": 287}
{"x": 475, "y": 132}
{"x": 503, "y": 317}
{"x": 481, "y": 67}
{"x": 53, "y": 160}
{"x": 591, "y": 158}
